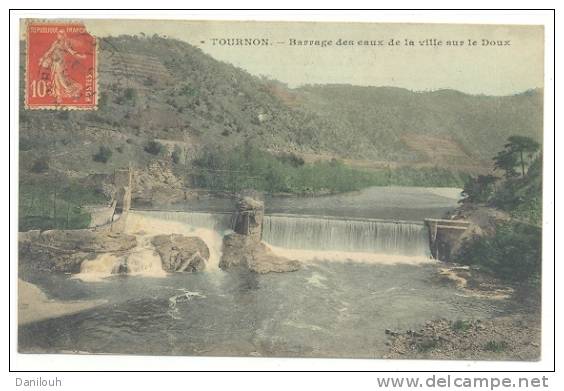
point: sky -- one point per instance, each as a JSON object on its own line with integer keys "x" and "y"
{"x": 474, "y": 69}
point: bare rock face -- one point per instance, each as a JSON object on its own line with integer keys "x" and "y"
{"x": 157, "y": 184}
{"x": 65, "y": 250}
{"x": 241, "y": 251}
{"x": 181, "y": 253}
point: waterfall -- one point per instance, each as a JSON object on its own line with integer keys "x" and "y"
{"x": 219, "y": 222}
{"x": 210, "y": 227}
{"x": 299, "y": 237}
{"x": 318, "y": 233}
{"x": 143, "y": 260}
{"x": 347, "y": 235}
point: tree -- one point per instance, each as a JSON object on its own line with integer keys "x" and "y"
{"x": 40, "y": 165}
{"x": 176, "y": 154}
{"x": 153, "y": 147}
{"x": 479, "y": 189}
{"x": 130, "y": 94}
{"x": 506, "y": 160}
{"x": 519, "y": 150}
{"x": 103, "y": 155}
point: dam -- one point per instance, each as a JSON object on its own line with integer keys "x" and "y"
{"x": 394, "y": 221}
{"x": 319, "y": 233}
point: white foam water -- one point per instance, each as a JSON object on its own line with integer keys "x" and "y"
{"x": 322, "y": 234}
{"x": 143, "y": 259}
{"x": 201, "y": 225}
{"x": 307, "y": 256}
{"x": 304, "y": 238}
{"x": 104, "y": 265}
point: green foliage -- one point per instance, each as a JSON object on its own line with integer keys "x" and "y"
{"x": 176, "y": 154}
{"x": 102, "y": 100}
{"x": 40, "y": 165}
{"x": 249, "y": 167}
{"x": 496, "y": 346}
{"x": 103, "y": 155}
{"x": 381, "y": 119}
{"x": 479, "y": 189}
{"x": 512, "y": 253}
{"x": 519, "y": 151}
{"x": 153, "y": 147}
{"x": 426, "y": 345}
{"x": 461, "y": 325}
{"x": 522, "y": 196}
{"x": 129, "y": 96}
{"x": 291, "y": 158}
{"x": 47, "y": 206}
{"x": 425, "y": 176}
{"x": 506, "y": 160}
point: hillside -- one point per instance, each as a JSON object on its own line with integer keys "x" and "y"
{"x": 165, "y": 89}
{"x": 444, "y": 127}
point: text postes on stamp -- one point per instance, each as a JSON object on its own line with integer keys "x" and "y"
{"x": 60, "y": 67}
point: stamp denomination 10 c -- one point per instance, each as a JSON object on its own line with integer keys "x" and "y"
{"x": 60, "y": 67}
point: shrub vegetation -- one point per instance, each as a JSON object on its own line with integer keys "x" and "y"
{"x": 513, "y": 252}
{"x": 249, "y": 167}
{"x": 103, "y": 155}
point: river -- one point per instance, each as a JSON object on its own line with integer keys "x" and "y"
{"x": 366, "y": 269}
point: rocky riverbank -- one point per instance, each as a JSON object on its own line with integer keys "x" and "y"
{"x": 64, "y": 251}
{"x": 514, "y": 337}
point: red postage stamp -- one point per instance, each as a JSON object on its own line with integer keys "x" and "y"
{"x": 60, "y": 67}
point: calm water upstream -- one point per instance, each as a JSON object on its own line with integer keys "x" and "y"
{"x": 370, "y": 275}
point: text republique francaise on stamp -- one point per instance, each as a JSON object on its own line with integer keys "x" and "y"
{"x": 61, "y": 66}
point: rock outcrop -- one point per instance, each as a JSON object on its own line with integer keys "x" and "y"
{"x": 181, "y": 253}
{"x": 244, "y": 249}
{"x": 157, "y": 184}
{"x": 65, "y": 250}
{"x": 241, "y": 251}
{"x": 477, "y": 220}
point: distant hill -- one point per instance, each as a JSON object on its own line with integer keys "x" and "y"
{"x": 165, "y": 89}
{"x": 443, "y": 127}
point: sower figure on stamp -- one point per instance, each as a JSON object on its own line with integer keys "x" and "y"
{"x": 62, "y": 86}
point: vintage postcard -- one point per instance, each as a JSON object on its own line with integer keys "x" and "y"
{"x": 280, "y": 189}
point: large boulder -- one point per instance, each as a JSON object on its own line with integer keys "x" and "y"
{"x": 243, "y": 251}
{"x": 482, "y": 223}
{"x": 181, "y": 253}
